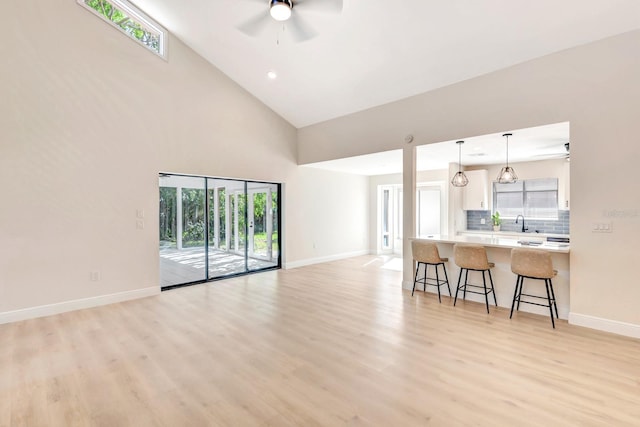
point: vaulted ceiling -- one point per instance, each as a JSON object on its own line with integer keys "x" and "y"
{"x": 377, "y": 51}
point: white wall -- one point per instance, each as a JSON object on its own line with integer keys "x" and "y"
{"x": 88, "y": 119}
{"x": 335, "y": 220}
{"x": 594, "y": 87}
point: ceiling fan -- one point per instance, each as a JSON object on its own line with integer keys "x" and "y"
{"x": 553, "y": 151}
{"x": 288, "y": 12}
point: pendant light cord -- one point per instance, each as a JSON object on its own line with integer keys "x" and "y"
{"x": 507, "y": 135}
{"x": 507, "y": 150}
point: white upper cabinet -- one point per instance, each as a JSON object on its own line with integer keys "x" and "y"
{"x": 475, "y": 194}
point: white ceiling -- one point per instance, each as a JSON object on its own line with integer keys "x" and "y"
{"x": 378, "y": 51}
{"x": 525, "y": 145}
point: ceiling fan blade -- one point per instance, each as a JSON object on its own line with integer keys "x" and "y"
{"x": 255, "y": 25}
{"x": 298, "y": 29}
{"x": 332, "y": 6}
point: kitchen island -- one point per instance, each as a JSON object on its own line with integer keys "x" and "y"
{"x": 499, "y": 252}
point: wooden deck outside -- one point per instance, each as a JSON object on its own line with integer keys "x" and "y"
{"x": 188, "y": 265}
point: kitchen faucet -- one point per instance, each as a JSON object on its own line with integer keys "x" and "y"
{"x": 523, "y": 227}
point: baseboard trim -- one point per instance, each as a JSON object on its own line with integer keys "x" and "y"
{"x": 320, "y": 260}
{"x": 78, "y": 304}
{"x": 606, "y": 325}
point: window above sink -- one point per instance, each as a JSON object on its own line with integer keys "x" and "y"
{"x": 533, "y": 198}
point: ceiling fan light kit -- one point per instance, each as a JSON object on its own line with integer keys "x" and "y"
{"x": 280, "y": 10}
{"x": 459, "y": 179}
{"x": 507, "y": 175}
{"x": 281, "y": 13}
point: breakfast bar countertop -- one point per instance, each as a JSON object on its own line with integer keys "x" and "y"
{"x": 501, "y": 242}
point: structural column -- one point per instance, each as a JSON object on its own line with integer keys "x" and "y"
{"x": 408, "y": 211}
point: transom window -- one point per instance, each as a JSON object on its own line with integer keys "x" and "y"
{"x": 533, "y": 198}
{"x": 131, "y": 21}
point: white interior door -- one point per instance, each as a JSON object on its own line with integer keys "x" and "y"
{"x": 428, "y": 211}
{"x": 386, "y": 219}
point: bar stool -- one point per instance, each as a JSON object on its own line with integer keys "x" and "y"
{"x": 473, "y": 257}
{"x": 427, "y": 253}
{"x": 533, "y": 264}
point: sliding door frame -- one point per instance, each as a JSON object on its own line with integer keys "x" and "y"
{"x": 231, "y": 220}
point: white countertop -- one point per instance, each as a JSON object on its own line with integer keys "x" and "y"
{"x": 500, "y": 242}
{"x": 511, "y": 234}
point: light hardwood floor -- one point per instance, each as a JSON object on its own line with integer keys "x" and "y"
{"x": 332, "y": 344}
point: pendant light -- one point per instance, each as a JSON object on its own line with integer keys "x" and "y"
{"x": 507, "y": 175}
{"x": 459, "y": 179}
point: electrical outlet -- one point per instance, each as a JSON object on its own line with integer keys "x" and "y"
{"x": 94, "y": 276}
{"x": 483, "y": 221}
{"x": 140, "y": 224}
{"x": 140, "y": 213}
{"x": 602, "y": 227}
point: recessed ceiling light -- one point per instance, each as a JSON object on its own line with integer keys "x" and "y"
{"x": 272, "y": 75}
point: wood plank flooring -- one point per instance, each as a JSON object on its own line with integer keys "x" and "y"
{"x": 335, "y": 344}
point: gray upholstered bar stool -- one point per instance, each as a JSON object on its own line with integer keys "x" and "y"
{"x": 427, "y": 253}
{"x": 533, "y": 264}
{"x": 473, "y": 257}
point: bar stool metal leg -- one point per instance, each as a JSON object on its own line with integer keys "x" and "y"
{"x": 520, "y": 293}
{"x": 438, "y": 282}
{"x": 424, "y": 279}
{"x": 553, "y": 296}
{"x": 466, "y": 282}
{"x": 457, "y": 288}
{"x": 446, "y": 278}
{"x": 415, "y": 278}
{"x": 546, "y": 284}
{"x": 495, "y": 300}
{"x": 515, "y": 295}
{"x": 486, "y": 294}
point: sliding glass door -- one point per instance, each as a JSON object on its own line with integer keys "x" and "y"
{"x": 182, "y": 231}
{"x": 262, "y": 230}
{"x": 212, "y": 228}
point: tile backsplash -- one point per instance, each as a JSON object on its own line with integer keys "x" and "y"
{"x": 559, "y": 226}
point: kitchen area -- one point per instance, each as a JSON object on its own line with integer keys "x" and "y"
{"x": 530, "y": 211}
